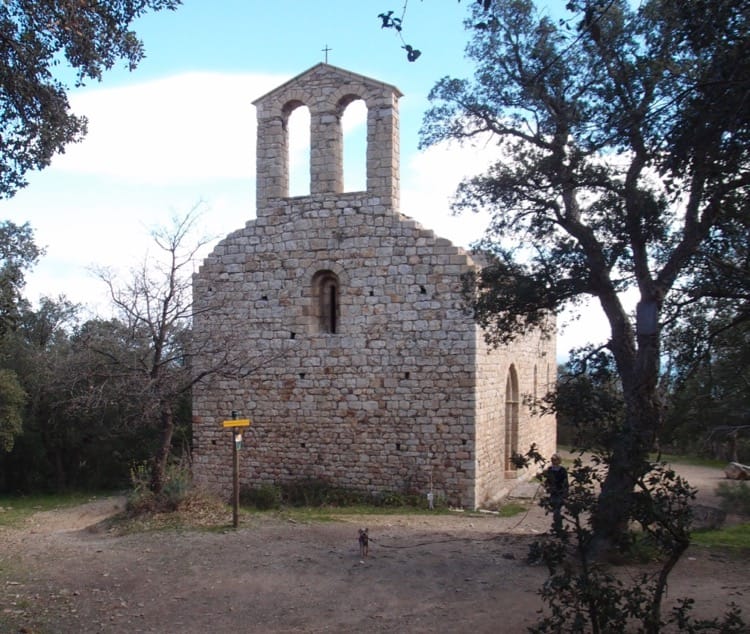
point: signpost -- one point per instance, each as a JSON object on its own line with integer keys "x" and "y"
{"x": 236, "y": 425}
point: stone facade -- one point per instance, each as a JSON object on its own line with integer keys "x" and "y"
{"x": 357, "y": 361}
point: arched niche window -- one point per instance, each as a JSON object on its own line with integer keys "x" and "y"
{"x": 326, "y": 301}
{"x": 511, "y": 418}
{"x": 354, "y": 129}
{"x": 298, "y": 156}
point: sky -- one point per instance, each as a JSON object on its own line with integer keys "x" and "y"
{"x": 179, "y": 131}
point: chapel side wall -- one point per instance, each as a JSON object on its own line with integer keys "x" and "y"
{"x": 489, "y": 422}
{"x": 527, "y": 353}
{"x": 546, "y": 381}
{"x": 387, "y": 403}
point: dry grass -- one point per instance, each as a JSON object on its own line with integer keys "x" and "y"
{"x": 196, "y": 509}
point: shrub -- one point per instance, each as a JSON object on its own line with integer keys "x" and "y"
{"x": 735, "y": 498}
{"x": 393, "y": 499}
{"x": 176, "y": 485}
{"x": 316, "y": 492}
{"x": 308, "y": 492}
{"x": 142, "y": 500}
{"x": 263, "y": 498}
{"x": 583, "y": 593}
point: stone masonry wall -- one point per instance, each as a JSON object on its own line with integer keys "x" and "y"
{"x": 339, "y": 328}
{"x": 529, "y": 358}
{"x": 327, "y": 91}
{"x": 385, "y": 403}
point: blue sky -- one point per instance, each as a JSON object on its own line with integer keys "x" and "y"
{"x": 180, "y": 129}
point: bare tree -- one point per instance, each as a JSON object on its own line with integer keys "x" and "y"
{"x": 152, "y": 370}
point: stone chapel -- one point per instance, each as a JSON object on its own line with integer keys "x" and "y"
{"x": 358, "y": 363}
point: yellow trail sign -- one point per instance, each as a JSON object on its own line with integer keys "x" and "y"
{"x": 239, "y": 422}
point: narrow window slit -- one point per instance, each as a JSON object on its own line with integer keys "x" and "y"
{"x": 327, "y": 303}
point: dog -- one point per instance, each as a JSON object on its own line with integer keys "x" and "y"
{"x": 364, "y": 543}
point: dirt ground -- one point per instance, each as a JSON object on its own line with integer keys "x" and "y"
{"x": 455, "y": 573}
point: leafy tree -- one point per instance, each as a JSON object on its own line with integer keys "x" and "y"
{"x": 707, "y": 346}
{"x": 35, "y": 36}
{"x": 626, "y": 143}
{"x": 33, "y": 352}
{"x": 390, "y": 20}
{"x": 73, "y": 429}
{"x": 38, "y": 352}
{"x": 707, "y": 383}
{"x": 12, "y": 399}
{"x": 18, "y": 252}
{"x": 583, "y": 594}
{"x": 588, "y": 400}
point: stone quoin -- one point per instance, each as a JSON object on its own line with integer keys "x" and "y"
{"x": 358, "y": 361}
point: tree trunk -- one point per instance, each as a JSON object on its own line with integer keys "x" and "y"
{"x": 159, "y": 465}
{"x": 734, "y": 455}
{"x": 632, "y": 443}
{"x": 60, "y": 480}
{"x": 628, "y": 462}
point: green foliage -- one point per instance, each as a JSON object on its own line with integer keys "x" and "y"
{"x": 735, "y": 497}
{"x": 588, "y": 400}
{"x": 583, "y": 593}
{"x": 733, "y": 537}
{"x": 318, "y": 493}
{"x": 35, "y": 119}
{"x": 732, "y": 623}
{"x": 106, "y": 393}
{"x": 708, "y": 385}
{"x": 150, "y": 368}
{"x": 12, "y": 400}
{"x": 309, "y": 492}
{"x": 78, "y": 430}
{"x": 142, "y": 500}
{"x": 18, "y": 252}
{"x": 14, "y": 510}
{"x": 394, "y": 499}
{"x": 388, "y": 20}
{"x": 510, "y": 509}
{"x": 263, "y": 498}
{"x": 624, "y": 152}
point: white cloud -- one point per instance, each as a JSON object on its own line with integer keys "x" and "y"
{"x": 157, "y": 148}
{"x": 430, "y": 179}
{"x": 180, "y": 129}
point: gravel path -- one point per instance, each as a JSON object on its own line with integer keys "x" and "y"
{"x": 442, "y": 573}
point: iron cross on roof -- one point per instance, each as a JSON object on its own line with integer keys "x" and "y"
{"x": 326, "y": 50}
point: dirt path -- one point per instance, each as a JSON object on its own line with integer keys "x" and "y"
{"x": 457, "y": 573}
